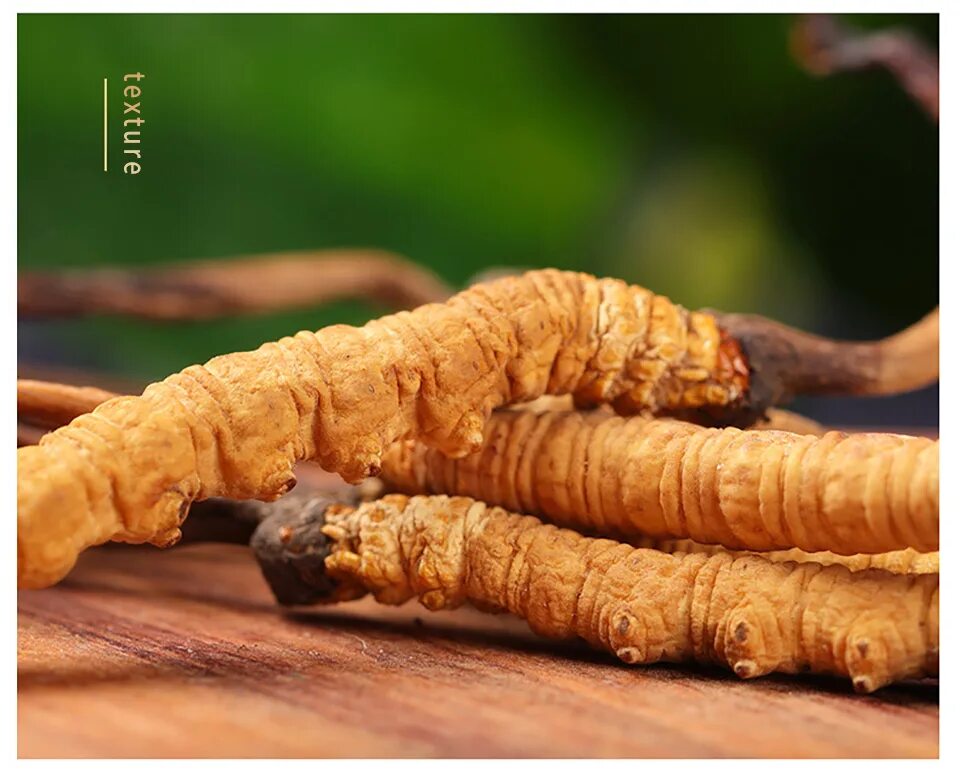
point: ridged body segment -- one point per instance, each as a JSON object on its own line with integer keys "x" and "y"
{"x": 760, "y": 490}
{"x": 234, "y": 426}
{"x": 748, "y": 613}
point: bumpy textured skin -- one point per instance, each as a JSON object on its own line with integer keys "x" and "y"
{"x": 903, "y": 561}
{"x": 234, "y": 426}
{"x": 747, "y": 613}
{"x": 758, "y": 490}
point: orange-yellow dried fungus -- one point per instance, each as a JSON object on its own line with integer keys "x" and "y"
{"x": 748, "y": 613}
{"x": 234, "y": 426}
{"x": 759, "y": 490}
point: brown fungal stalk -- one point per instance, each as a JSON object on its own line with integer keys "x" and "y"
{"x": 824, "y": 46}
{"x": 201, "y": 290}
{"x": 785, "y": 362}
{"x": 747, "y": 613}
{"x": 757, "y": 490}
{"x": 234, "y": 427}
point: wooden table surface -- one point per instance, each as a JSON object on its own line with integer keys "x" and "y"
{"x": 183, "y": 653}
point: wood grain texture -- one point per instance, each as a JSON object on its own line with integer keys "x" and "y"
{"x": 183, "y": 653}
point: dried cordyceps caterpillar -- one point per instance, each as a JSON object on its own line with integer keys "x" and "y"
{"x": 289, "y": 545}
{"x": 645, "y": 606}
{"x": 234, "y": 427}
{"x": 294, "y": 569}
{"x": 759, "y": 490}
{"x": 218, "y": 519}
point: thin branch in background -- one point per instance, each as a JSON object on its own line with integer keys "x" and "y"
{"x": 72, "y": 376}
{"x": 823, "y": 45}
{"x": 208, "y": 289}
{"x": 50, "y": 404}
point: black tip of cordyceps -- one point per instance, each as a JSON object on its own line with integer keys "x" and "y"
{"x": 291, "y": 550}
{"x": 785, "y": 361}
{"x": 779, "y": 359}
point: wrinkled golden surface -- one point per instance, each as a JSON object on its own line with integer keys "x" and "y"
{"x": 759, "y": 490}
{"x": 234, "y": 426}
{"x": 744, "y": 612}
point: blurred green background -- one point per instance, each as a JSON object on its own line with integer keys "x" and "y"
{"x": 690, "y": 154}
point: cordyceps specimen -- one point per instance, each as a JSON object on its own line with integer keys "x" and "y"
{"x": 759, "y": 490}
{"x": 748, "y": 613}
{"x": 234, "y": 426}
{"x": 289, "y": 545}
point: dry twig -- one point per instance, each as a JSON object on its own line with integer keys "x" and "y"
{"x": 50, "y": 404}
{"x": 825, "y": 46}
{"x": 207, "y": 289}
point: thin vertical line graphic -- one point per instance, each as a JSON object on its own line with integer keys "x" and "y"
{"x": 104, "y": 124}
